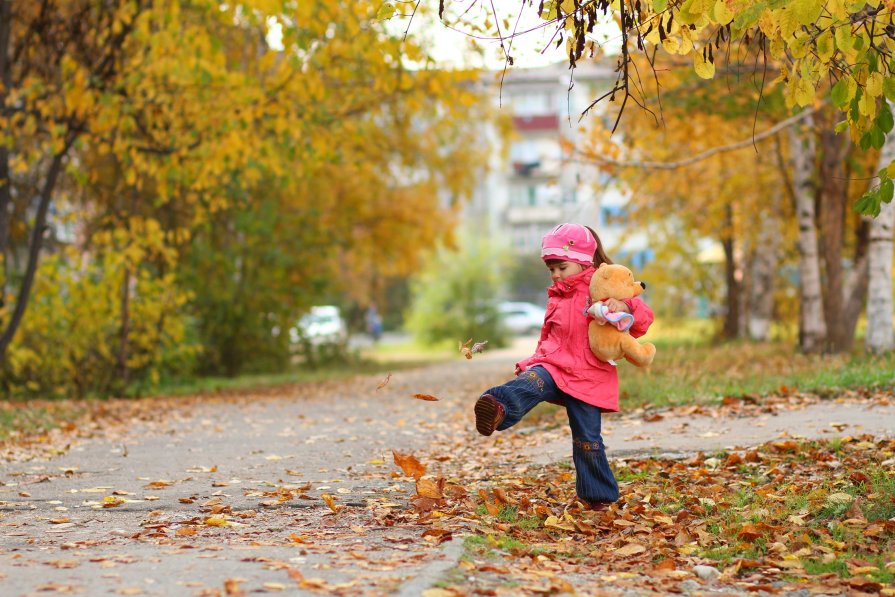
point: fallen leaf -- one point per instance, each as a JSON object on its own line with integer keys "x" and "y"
{"x": 331, "y": 502}
{"x": 428, "y": 397}
{"x": 630, "y": 549}
{"x": 232, "y": 588}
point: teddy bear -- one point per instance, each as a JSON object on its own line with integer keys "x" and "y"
{"x": 607, "y": 333}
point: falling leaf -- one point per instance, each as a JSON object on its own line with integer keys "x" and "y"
{"x": 428, "y": 397}
{"x": 467, "y": 351}
{"x": 478, "y": 346}
{"x": 409, "y": 464}
{"x": 383, "y": 383}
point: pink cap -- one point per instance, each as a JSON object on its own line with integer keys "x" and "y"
{"x": 569, "y": 242}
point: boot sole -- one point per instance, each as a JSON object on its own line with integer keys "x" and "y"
{"x": 486, "y": 415}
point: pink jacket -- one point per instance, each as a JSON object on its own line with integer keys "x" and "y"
{"x": 563, "y": 348}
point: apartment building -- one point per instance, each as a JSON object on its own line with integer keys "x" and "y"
{"x": 534, "y": 182}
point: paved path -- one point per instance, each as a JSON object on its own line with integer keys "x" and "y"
{"x": 64, "y": 528}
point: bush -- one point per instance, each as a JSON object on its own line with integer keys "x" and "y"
{"x": 69, "y": 343}
{"x": 455, "y": 296}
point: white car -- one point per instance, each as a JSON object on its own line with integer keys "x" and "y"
{"x": 520, "y": 317}
{"x": 321, "y": 325}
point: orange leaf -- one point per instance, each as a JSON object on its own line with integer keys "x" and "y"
{"x": 232, "y": 588}
{"x": 409, "y": 464}
{"x": 331, "y": 502}
{"x": 430, "y": 489}
{"x": 384, "y": 381}
{"x": 631, "y": 549}
{"x": 428, "y": 397}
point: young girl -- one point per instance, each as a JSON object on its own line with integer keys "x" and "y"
{"x": 563, "y": 369}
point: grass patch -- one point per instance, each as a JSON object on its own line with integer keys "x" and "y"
{"x": 34, "y": 416}
{"x": 689, "y": 368}
{"x": 260, "y": 381}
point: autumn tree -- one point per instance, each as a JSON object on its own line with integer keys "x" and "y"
{"x": 276, "y": 173}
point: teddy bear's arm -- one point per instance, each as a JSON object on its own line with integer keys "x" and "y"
{"x": 643, "y": 316}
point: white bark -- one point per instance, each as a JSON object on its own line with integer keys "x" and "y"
{"x": 813, "y": 327}
{"x": 764, "y": 268}
{"x": 880, "y": 336}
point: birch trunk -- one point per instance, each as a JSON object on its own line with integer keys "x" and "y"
{"x": 763, "y": 268}
{"x": 880, "y": 337}
{"x": 812, "y": 325}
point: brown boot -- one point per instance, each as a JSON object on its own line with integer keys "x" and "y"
{"x": 488, "y": 414}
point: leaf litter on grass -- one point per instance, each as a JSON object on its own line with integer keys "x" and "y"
{"x": 787, "y": 515}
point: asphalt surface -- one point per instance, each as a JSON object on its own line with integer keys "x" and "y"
{"x": 127, "y": 512}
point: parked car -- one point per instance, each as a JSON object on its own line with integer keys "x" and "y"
{"x": 520, "y": 317}
{"x": 321, "y": 325}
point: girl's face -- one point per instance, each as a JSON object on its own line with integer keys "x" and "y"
{"x": 560, "y": 270}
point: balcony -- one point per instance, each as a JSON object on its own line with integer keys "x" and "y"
{"x": 533, "y": 214}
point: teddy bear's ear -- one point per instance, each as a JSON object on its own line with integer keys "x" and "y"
{"x": 602, "y": 265}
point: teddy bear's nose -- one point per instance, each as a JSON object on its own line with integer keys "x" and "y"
{"x": 643, "y": 285}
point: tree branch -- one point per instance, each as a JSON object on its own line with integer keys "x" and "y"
{"x": 590, "y": 158}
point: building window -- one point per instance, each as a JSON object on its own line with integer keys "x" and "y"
{"x": 613, "y": 215}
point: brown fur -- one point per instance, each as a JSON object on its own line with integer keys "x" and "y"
{"x": 606, "y": 342}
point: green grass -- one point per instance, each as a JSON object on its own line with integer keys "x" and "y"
{"x": 211, "y": 385}
{"x": 689, "y": 368}
{"x": 31, "y": 417}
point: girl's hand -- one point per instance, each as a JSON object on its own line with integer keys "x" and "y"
{"x": 616, "y": 305}
{"x": 518, "y": 371}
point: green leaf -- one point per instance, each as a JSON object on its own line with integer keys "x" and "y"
{"x": 877, "y": 138}
{"x": 386, "y": 11}
{"x": 865, "y": 141}
{"x": 886, "y": 189}
{"x": 869, "y": 203}
{"x": 841, "y": 126}
{"x": 884, "y": 121}
{"x": 660, "y": 5}
{"x": 749, "y": 17}
{"x": 839, "y": 95}
{"x": 889, "y": 88}
{"x": 806, "y": 11}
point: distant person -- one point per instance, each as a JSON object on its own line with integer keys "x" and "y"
{"x": 563, "y": 370}
{"x": 374, "y": 322}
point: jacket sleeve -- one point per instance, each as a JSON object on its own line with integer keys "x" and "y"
{"x": 643, "y": 316}
{"x": 524, "y": 363}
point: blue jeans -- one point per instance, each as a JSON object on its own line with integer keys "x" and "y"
{"x": 594, "y": 481}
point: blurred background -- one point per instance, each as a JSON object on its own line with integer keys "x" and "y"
{"x": 199, "y": 193}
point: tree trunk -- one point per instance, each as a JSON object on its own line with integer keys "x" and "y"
{"x": 125, "y": 326}
{"x": 37, "y": 234}
{"x": 832, "y": 218}
{"x": 5, "y": 182}
{"x": 812, "y": 325}
{"x": 880, "y": 336}
{"x": 732, "y": 316}
{"x": 763, "y": 269}
{"x": 855, "y": 291}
